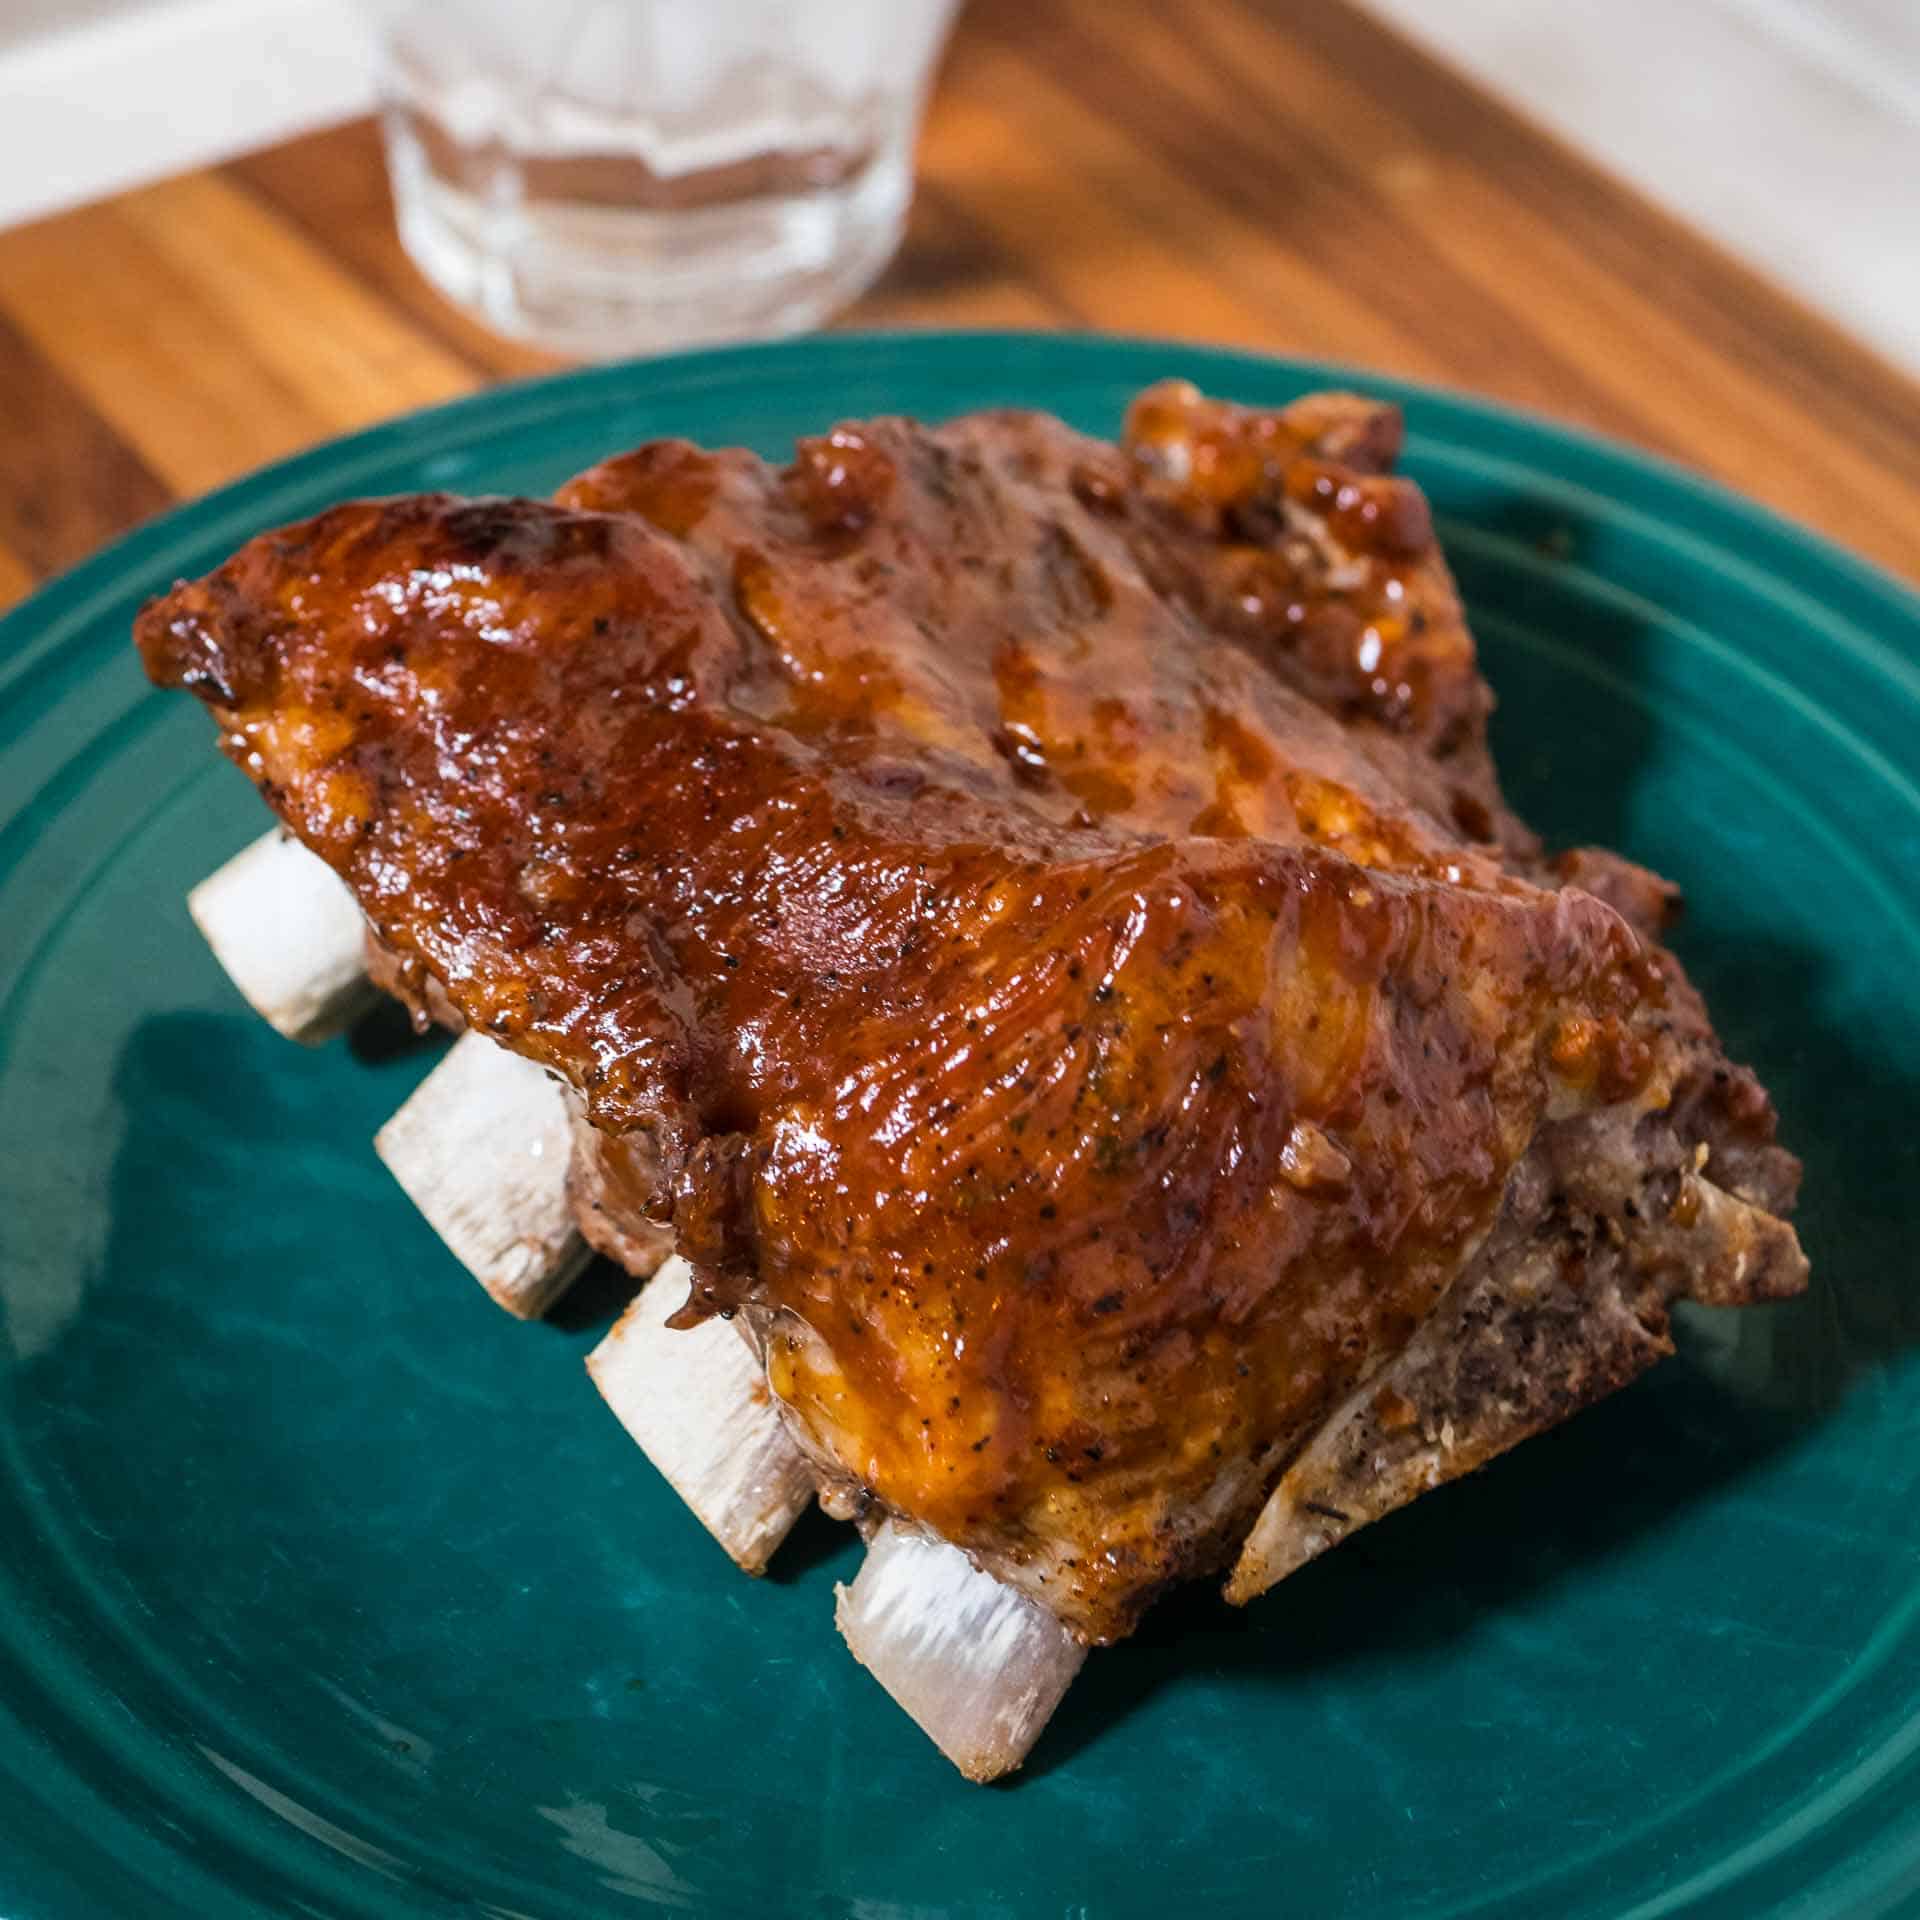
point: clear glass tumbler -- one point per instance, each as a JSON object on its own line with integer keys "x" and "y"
{"x": 616, "y": 176}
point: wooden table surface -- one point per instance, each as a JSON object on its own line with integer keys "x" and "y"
{"x": 1250, "y": 171}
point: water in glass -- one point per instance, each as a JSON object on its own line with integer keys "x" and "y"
{"x": 616, "y": 176}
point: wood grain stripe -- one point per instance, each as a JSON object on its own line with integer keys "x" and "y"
{"x": 17, "y": 579}
{"x": 1119, "y": 235}
{"x": 185, "y": 315}
{"x": 366, "y": 362}
{"x": 67, "y": 483}
{"x": 952, "y": 272}
{"x": 1332, "y": 190}
{"x": 153, "y": 355}
{"x": 1739, "y": 311}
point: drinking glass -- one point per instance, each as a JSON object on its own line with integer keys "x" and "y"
{"x": 614, "y": 176}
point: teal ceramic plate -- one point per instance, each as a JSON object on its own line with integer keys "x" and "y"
{"x": 325, "y": 1589}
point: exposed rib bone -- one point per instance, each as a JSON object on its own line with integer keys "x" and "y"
{"x": 481, "y": 1149}
{"x": 289, "y": 934}
{"x": 979, "y": 1665}
{"x": 698, "y": 1404}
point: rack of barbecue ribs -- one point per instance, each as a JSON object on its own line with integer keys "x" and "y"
{"x": 1030, "y": 926}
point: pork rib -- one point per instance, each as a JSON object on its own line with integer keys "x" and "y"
{"x": 1039, "y": 920}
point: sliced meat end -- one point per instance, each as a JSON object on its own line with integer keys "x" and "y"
{"x": 1544, "y": 1323}
{"x": 1509, "y": 1357}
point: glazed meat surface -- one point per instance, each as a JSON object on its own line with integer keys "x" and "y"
{"x": 1037, "y": 919}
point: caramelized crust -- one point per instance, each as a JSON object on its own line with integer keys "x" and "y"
{"x": 1045, "y": 909}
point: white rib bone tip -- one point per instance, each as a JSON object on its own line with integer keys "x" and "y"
{"x": 289, "y": 934}
{"x": 697, "y": 1403}
{"x": 978, "y": 1664}
{"x": 481, "y": 1149}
